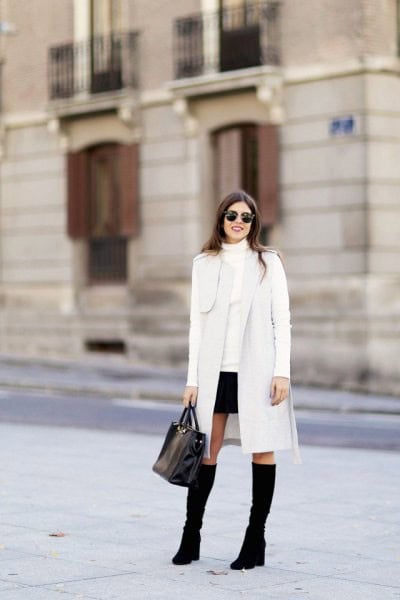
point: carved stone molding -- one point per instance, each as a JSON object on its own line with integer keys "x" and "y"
{"x": 270, "y": 93}
{"x": 181, "y": 107}
{"x": 54, "y": 126}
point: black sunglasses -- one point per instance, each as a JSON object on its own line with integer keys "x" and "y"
{"x": 232, "y": 215}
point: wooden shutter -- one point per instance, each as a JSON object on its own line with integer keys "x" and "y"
{"x": 268, "y": 173}
{"x": 129, "y": 193}
{"x": 77, "y": 194}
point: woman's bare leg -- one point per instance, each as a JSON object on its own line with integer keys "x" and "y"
{"x": 217, "y": 436}
{"x": 264, "y": 458}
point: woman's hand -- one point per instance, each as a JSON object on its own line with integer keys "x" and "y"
{"x": 190, "y": 395}
{"x": 279, "y": 390}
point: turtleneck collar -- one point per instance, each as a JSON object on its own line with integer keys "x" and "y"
{"x": 236, "y": 247}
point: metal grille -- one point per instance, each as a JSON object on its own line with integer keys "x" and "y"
{"x": 232, "y": 38}
{"x": 100, "y": 64}
{"x": 107, "y": 259}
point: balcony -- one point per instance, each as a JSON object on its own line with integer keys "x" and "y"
{"x": 238, "y": 38}
{"x": 92, "y": 71}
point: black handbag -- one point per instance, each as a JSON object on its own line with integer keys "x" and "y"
{"x": 182, "y": 452}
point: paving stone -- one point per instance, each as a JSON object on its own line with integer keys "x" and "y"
{"x": 332, "y": 531}
{"x": 40, "y": 570}
{"x": 41, "y": 593}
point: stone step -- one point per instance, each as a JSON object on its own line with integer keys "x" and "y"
{"x": 155, "y": 337}
{"x": 162, "y": 351}
{"x": 154, "y": 323}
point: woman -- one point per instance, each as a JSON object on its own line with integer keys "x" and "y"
{"x": 239, "y": 367}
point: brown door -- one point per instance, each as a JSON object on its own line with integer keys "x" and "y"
{"x": 107, "y": 248}
{"x": 246, "y": 157}
{"x": 103, "y": 206}
{"x": 236, "y": 160}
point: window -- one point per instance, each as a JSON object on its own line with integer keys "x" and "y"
{"x": 398, "y": 27}
{"x": 104, "y": 192}
{"x": 105, "y": 17}
{"x": 246, "y": 157}
{"x": 107, "y": 249}
{"x": 239, "y": 28}
{"x": 103, "y": 207}
{"x": 106, "y": 45}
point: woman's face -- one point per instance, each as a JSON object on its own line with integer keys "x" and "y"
{"x": 237, "y": 230}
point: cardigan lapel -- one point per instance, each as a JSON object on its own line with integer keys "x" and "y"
{"x": 214, "y": 272}
{"x": 209, "y": 275}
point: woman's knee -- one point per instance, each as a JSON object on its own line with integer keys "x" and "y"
{"x": 217, "y": 437}
{"x": 215, "y": 447}
{"x": 264, "y": 458}
{"x": 212, "y": 460}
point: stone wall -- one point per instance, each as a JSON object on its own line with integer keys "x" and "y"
{"x": 383, "y": 213}
{"x": 339, "y": 222}
{"x": 39, "y": 25}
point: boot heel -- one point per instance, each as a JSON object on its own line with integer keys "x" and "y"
{"x": 189, "y": 549}
{"x": 260, "y": 562}
{"x": 196, "y": 549}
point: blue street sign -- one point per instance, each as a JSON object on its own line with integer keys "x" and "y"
{"x": 342, "y": 126}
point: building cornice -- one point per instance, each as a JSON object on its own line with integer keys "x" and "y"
{"x": 315, "y": 72}
{"x": 14, "y": 120}
{"x": 190, "y": 87}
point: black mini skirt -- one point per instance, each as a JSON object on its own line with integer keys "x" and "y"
{"x": 226, "y": 399}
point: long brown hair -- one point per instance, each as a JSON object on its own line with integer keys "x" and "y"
{"x": 214, "y": 244}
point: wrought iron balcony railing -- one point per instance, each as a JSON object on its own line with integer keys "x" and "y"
{"x": 232, "y": 38}
{"x": 100, "y": 64}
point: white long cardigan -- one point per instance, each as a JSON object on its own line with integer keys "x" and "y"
{"x": 264, "y": 350}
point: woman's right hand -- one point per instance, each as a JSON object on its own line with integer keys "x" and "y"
{"x": 190, "y": 395}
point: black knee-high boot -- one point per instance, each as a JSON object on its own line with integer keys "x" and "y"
{"x": 252, "y": 553}
{"x": 195, "y": 506}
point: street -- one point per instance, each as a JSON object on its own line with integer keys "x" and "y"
{"x": 316, "y": 427}
{"x": 83, "y": 515}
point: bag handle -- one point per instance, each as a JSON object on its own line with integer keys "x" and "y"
{"x": 192, "y": 408}
{"x": 186, "y": 416}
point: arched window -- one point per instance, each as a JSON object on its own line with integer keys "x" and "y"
{"x": 246, "y": 156}
{"x": 103, "y": 206}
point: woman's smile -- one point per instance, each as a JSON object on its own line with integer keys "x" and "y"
{"x": 237, "y": 226}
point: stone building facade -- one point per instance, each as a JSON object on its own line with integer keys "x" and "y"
{"x": 124, "y": 121}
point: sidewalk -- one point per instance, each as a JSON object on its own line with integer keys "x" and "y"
{"x": 333, "y": 530}
{"x": 111, "y": 377}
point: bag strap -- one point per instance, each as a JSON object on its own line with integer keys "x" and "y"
{"x": 186, "y": 416}
{"x": 195, "y": 417}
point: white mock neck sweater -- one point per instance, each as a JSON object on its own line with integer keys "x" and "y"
{"x": 234, "y": 255}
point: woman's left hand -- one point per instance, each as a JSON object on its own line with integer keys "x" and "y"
{"x": 279, "y": 390}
